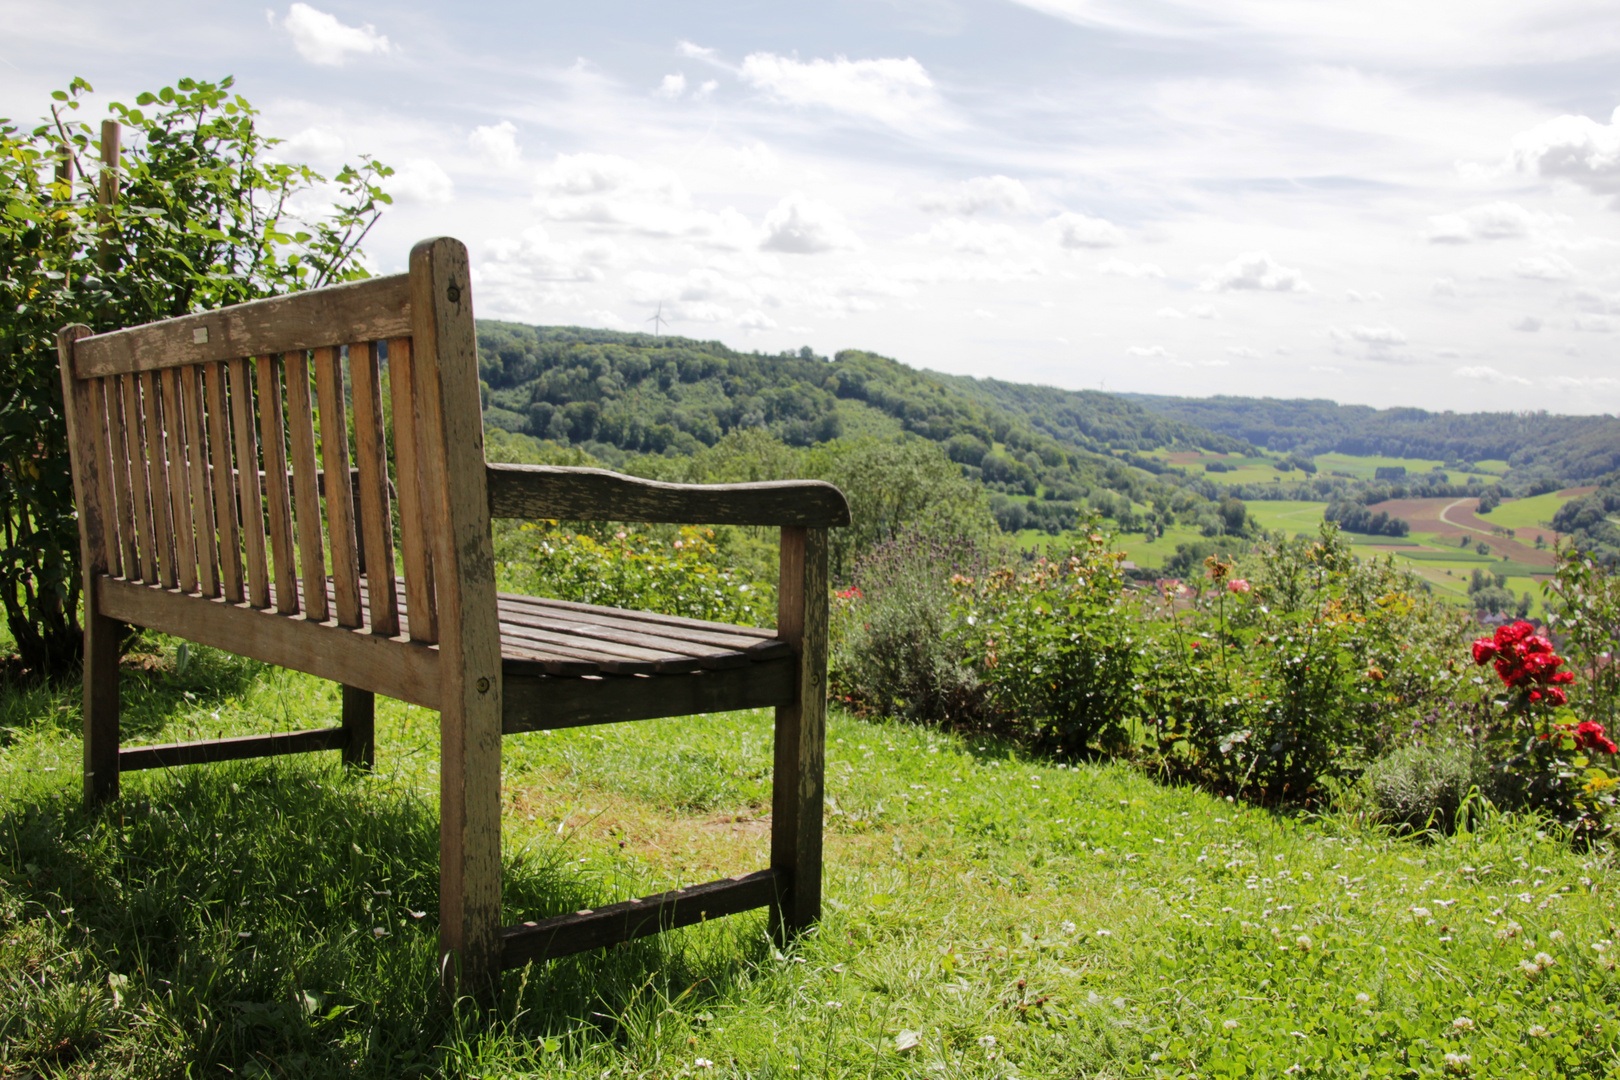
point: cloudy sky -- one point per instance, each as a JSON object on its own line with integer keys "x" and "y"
{"x": 1385, "y": 202}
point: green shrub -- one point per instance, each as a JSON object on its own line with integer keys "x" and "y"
{"x": 1274, "y": 686}
{"x": 1416, "y": 787}
{"x": 893, "y": 650}
{"x": 1056, "y": 646}
{"x": 686, "y": 576}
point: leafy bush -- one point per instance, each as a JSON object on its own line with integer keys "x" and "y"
{"x": 893, "y": 652}
{"x": 686, "y": 576}
{"x": 203, "y": 218}
{"x": 1417, "y": 787}
{"x": 1281, "y": 686}
{"x": 1055, "y": 648}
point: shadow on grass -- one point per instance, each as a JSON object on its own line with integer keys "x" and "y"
{"x": 281, "y": 919}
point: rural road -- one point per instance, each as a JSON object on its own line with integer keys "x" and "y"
{"x": 1452, "y": 506}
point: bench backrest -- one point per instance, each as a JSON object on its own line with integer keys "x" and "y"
{"x": 212, "y": 453}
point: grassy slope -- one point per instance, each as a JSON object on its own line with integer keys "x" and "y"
{"x": 1018, "y": 918}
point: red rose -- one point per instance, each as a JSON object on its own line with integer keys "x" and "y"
{"x": 1484, "y": 649}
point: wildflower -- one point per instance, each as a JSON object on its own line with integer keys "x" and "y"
{"x": 835, "y": 1004}
{"x": 1537, "y": 1031}
{"x": 702, "y": 1063}
{"x": 1458, "y": 1064}
{"x": 1556, "y": 935}
{"x": 1304, "y": 942}
{"x": 1508, "y": 931}
{"x": 1462, "y": 1023}
{"x": 987, "y": 1041}
{"x": 1105, "y": 933}
{"x": 1216, "y": 570}
{"x": 1364, "y": 998}
{"x": 1589, "y": 735}
{"x": 1238, "y": 585}
{"x": 1229, "y": 1025}
{"x": 1067, "y": 927}
{"x": 1530, "y": 968}
{"x": 1543, "y": 960}
{"x": 1421, "y": 912}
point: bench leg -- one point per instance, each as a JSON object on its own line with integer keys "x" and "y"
{"x": 100, "y": 707}
{"x": 360, "y": 726}
{"x": 797, "y": 781}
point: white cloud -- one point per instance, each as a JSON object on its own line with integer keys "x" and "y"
{"x": 695, "y": 52}
{"x": 321, "y": 39}
{"x": 1256, "y": 270}
{"x": 709, "y": 86}
{"x": 1327, "y": 369}
{"x": 801, "y": 226}
{"x": 1378, "y": 335}
{"x": 1121, "y": 268}
{"x": 1493, "y": 221}
{"x": 672, "y": 87}
{"x": 1357, "y": 297}
{"x": 314, "y": 145}
{"x": 1575, "y": 148}
{"x": 497, "y": 144}
{"x": 1203, "y": 311}
{"x": 979, "y": 194}
{"x": 756, "y": 160}
{"x": 1243, "y": 351}
{"x": 1529, "y": 324}
{"x": 514, "y": 265}
{"x": 891, "y": 90}
{"x": 1587, "y": 382}
{"x": 979, "y": 237}
{"x": 1444, "y": 287}
{"x": 755, "y": 319}
{"x": 1490, "y": 375}
{"x": 1079, "y": 231}
{"x": 605, "y": 319}
{"x": 1170, "y": 313}
{"x": 1148, "y": 352}
{"x": 1545, "y": 268}
{"x": 609, "y": 191}
{"x": 1597, "y": 324}
{"x": 421, "y": 181}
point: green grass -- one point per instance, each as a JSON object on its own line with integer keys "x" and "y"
{"x": 987, "y": 915}
{"x": 1532, "y": 515}
{"x": 1365, "y": 466}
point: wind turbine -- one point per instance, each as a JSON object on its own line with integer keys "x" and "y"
{"x": 658, "y": 318}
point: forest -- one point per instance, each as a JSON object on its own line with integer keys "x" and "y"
{"x": 1572, "y": 447}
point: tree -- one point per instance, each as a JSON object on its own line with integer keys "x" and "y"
{"x": 194, "y": 215}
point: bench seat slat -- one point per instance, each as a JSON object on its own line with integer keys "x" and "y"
{"x": 203, "y": 751}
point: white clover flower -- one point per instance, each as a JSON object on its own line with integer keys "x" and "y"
{"x": 1537, "y": 1031}
{"x": 700, "y": 1063}
{"x": 1462, "y": 1023}
{"x": 1229, "y": 1024}
{"x": 1304, "y": 942}
{"x": 987, "y": 1041}
{"x": 1105, "y": 933}
{"x": 1364, "y": 998}
{"x": 1543, "y": 960}
{"x": 1530, "y": 968}
{"x": 1067, "y": 927}
{"x": 835, "y": 1004}
{"x": 1421, "y": 912}
{"x": 1458, "y": 1064}
{"x": 1556, "y": 935}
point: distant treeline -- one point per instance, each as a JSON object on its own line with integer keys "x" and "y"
{"x": 1572, "y": 447}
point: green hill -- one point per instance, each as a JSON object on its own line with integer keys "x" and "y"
{"x": 617, "y": 394}
{"x": 1532, "y": 444}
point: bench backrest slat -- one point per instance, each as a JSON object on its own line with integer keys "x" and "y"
{"x": 199, "y": 481}
{"x": 307, "y": 500}
{"x": 229, "y": 538}
{"x": 179, "y": 481}
{"x": 157, "y": 478}
{"x": 277, "y": 500}
{"x": 371, "y": 459}
{"x": 339, "y": 488}
{"x": 422, "y": 614}
{"x": 123, "y": 514}
{"x": 250, "y": 492}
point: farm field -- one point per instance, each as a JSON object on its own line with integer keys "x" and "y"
{"x": 988, "y": 914}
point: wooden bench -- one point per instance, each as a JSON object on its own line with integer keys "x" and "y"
{"x": 219, "y": 501}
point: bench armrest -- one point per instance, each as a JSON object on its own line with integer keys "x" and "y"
{"x": 578, "y": 494}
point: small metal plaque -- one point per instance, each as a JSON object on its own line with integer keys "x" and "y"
{"x": 199, "y": 336}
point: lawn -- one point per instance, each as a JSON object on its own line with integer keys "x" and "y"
{"x": 988, "y": 914}
{"x": 1534, "y": 514}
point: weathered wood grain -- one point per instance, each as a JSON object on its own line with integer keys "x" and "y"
{"x": 415, "y": 546}
{"x": 390, "y": 666}
{"x": 90, "y": 460}
{"x": 199, "y": 476}
{"x": 362, "y": 311}
{"x": 337, "y": 486}
{"x": 157, "y": 465}
{"x": 204, "y": 751}
{"x": 218, "y": 420}
{"x": 129, "y": 558}
{"x": 277, "y": 496}
{"x": 535, "y": 703}
{"x": 248, "y": 488}
{"x": 174, "y": 441}
{"x": 306, "y": 491}
{"x": 677, "y": 621}
{"x": 798, "y": 772}
{"x": 140, "y": 483}
{"x": 546, "y": 939}
{"x": 451, "y": 440}
{"x": 578, "y": 494}
{"x": 371, "y": 459}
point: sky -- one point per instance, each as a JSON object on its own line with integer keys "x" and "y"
{"x": 1387, "y": 203}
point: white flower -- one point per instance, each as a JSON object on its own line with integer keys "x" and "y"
{"x": 987, "y": 1041}
{"x": 1105, "y": 933}
{"x": 1556, "y": 935}
{"x": 1421, "y": 912}
{"x": 1458, "y": 1064}
{"x": 1530, "y": 968}
{"x": 1543, "y": 960}
{"x": 835, "y": 1004}
{"x": 1537, "y": 1031}
{"x": 1364, "y": 998}
{"x": 702, "y": 1063}
{"x": 1462, "y": 1023}
{"x": 1067, "y": 927}
{"x": 1229, "y": 1024}
{"x": 1304, "y": 942}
